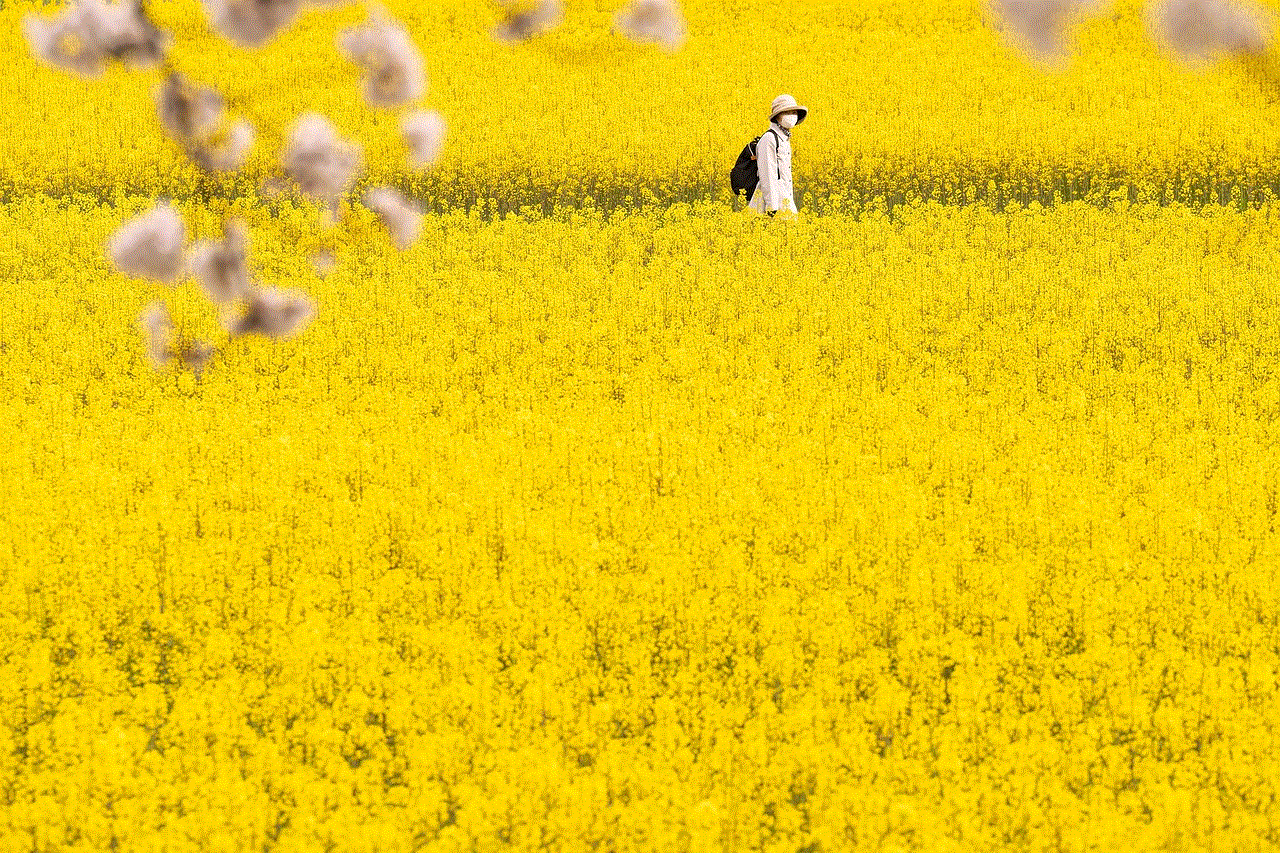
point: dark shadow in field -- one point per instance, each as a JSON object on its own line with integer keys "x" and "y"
{"x": 490, "y": 193}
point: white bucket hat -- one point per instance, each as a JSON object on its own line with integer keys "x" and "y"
{"x": 786, "y": 103}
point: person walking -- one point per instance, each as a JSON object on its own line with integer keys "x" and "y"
{"x": 773, "y": 158}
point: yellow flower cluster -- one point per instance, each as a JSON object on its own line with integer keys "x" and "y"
{"x": 678, "y": 531}
{"x": 910, "y": 100}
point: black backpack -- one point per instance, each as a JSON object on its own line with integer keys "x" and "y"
{"x": 744, "y": 178}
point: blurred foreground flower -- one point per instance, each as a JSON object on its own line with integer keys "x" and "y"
{"x": 150, "y": 246}
{"x": 157, "y": 329}
{"x": 193, "y": 116}
{"x": 525, "y": 22}
{"x": 227, "y": 152}
{"x": 394, "y": 72}
{"x": 1040, "y": 26}
{"x": 223, "y": 267}
{"x": 657, "y": 21}
{"x": 424, "y": 134}
{"x": 323, "y": 165}
{"x": 402, "y": 217}
{"x": 90, "y": 32}
{"x": 250, "y": 23}
{"x": 195, "y": 355}
{"x": 273, "y": 313}
{"x": 187, "y": 112}
{"x": 1197, "y": 29}
{"x": 323, "y": 262}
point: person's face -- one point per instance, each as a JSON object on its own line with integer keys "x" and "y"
{"x": 788, "y": 119}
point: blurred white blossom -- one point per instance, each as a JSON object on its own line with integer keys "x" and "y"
{"x": 657, "y": 21}
{"x": 193, "y": 116}
{"x": 1041, "y": 27}
{"x": 150, "y": 245}
{"x": 187, "y": 111}
{"x": 322, "y": 164}
{"x": 402, "y": 217}
{"x": 123, "y": 32}
{"x": 272, "y": 187}
{"x": 424, "y": 134}
{"x": 88, "y": 33}
{"x": 157, "y": 330}
{"x": 1197, "y": 29}
{"x": 227, "y": 152}
{"x": 250, "y": 23}
{"x": 222, "y": 267}
{"x": 525, "y": 22}
{"x": 64, "y": 42}
{"x": 274, "y": 313}
{"x": 195, "y": 355}
{"x": 323, "y": 262}
{"x": 394, "y": 72}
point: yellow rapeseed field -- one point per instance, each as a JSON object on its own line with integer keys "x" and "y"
{"x": 910, "y": 99}
{"x": 955, "y": 532}
{"x": 609, "y": 518}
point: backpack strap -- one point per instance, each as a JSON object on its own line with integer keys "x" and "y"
{"x": 776, "y": 166}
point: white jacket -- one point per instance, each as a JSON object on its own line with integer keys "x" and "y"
{"x": 773, "y": 165}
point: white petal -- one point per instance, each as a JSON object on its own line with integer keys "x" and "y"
{"x": 402, "y": 217}
{"x": 150, "y": 246}
{"x": 64, "y": 42}
{"x": 424, "y": 134}
{"x": 1197, "y": 29}
{"x": 657, "y": 21}
{"x": 157, "y": 329}
{"x": 394, "y": 70}
{"x": 274, "y": 313}
{"x": 522, "y": 24}
{"x": 188, "y": 111}
{"x": 250, "y": 23}
{"x": 324, "y": 166}
{"x": 222, "y": 267}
